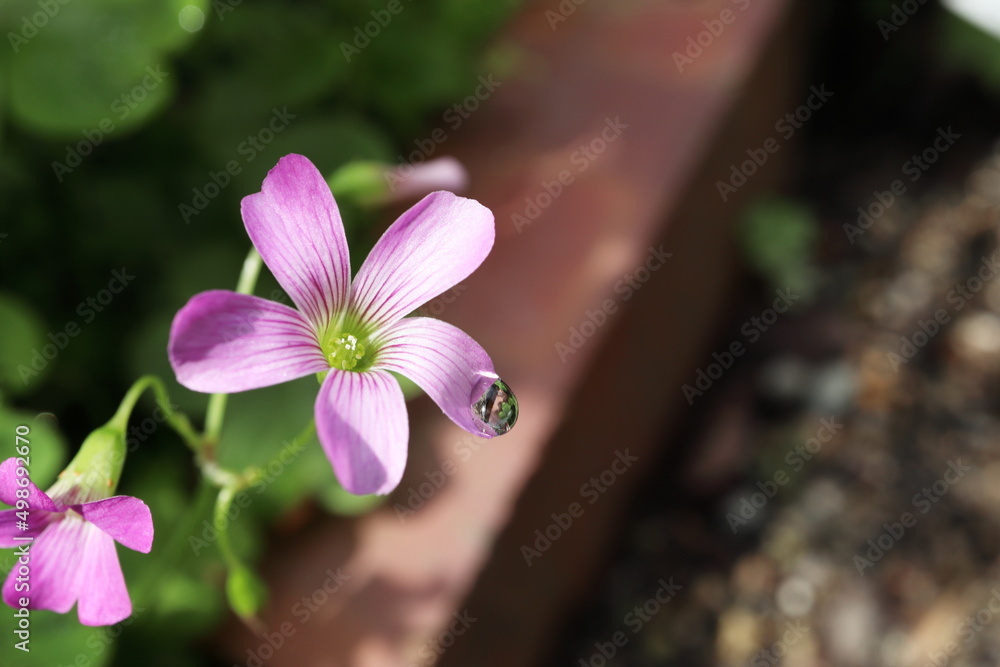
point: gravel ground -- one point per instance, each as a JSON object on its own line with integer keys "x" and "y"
{"x": 835, "y": 499}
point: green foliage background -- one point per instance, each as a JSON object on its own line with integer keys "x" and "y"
{"x": 113, "y": 116}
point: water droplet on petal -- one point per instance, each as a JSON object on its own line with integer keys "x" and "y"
{"x": 496, "y": 409}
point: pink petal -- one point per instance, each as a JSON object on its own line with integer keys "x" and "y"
{"x": 416, "y": 180}
{"x": 296, "y": 227}
{"x": 429, "y": 249}
{"x": 124, "y": 518}
{"x": 55, "y": 575}
{"x": 37, "y": 499}
{"x": 10, "y": 526}
{"x": 444, "y": 361}
{"x": 103, "y": 598}
{"x": 362, "y": 424}
{"x": 225, "y": 342}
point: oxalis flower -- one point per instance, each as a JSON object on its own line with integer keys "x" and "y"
{"x": 65, "y": 537}
{"x": 352, "y": 334}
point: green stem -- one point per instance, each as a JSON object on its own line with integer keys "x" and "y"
{"x": 214, "y": 416}
{"x": 176, "y": 420}
{"x": 231, "y": 484}
{"x": 216, "y": 411}
{"x": 222, "y": 505}
{"x": 249, "y": 273}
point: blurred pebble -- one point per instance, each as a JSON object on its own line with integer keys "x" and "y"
{"x": 834, "y": 387}
{"x": 983, "y": 186}
{"x": 852, "y": 625}
{"x": 822, "y": 500}
{"x": 795, "y": 597}
{"x": 991, "y": 295}
{"x": 981, "y": 489}
{"x": 976, "y": 339}
{"x": 907, "y": 296}
{"x": 740, "y": 635}
{"x": 753, "y": 576}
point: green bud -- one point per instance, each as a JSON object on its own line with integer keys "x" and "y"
{"x": 246, "y": 592}
{"x": 364, "y": 182}
{"x": 94, "y": 472}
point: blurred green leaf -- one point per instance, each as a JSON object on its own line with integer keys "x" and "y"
{"x": 187, "y": 604}
{"x": 246, "y": 592}
{"x": 966, "y": 46}
{"x": 48, "y": 449}
{"x": 87, "y": 71}
{"x": 22, "y": 337}
{"x": 779, "y": 240}
{"x": 260, "y": 422}
{"x": 57, "y": 639}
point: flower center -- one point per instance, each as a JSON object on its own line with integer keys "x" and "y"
{"x": 346, "y": 352}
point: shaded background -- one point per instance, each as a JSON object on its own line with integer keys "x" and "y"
{"x": 117, "y": 116}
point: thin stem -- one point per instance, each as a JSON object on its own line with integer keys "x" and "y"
{"x": 249, "y": 273}
{"x": 231, "y": 484}
{"x": 216, "y": 411}
{"x": 176, "y": 420}
{"x": 214, "y": 415}
{"x": 221, "y": 521}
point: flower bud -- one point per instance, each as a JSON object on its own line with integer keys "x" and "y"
{"x": 94, "y": 472}
{"x": 246, "y": 592}
{"x": 374, "y": 183}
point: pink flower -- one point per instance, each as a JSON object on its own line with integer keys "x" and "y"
{"x": 408, "y": 180}
{"x": 71, "y": 558}
{"x": 350, "y": 333}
